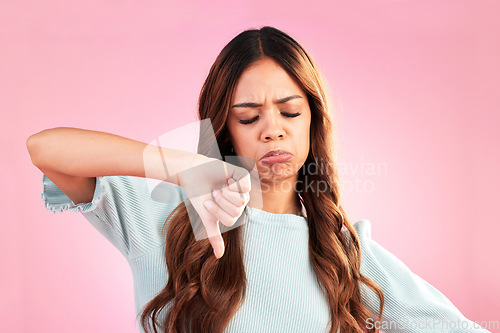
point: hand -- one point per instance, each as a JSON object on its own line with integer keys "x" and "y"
{"x": 218, "y": 191}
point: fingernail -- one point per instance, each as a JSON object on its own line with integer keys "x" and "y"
{"x": 214, "y": 193}
{"x": 208, "y": 204}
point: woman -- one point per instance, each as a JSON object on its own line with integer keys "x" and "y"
{"x": 287, "y": 258}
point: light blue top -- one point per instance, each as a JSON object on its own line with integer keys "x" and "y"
{"x": 282, "y": 293}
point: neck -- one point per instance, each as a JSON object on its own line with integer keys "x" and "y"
{"x": 276, "y": 197}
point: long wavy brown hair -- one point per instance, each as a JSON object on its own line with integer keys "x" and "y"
{"x": 201, "y": 295}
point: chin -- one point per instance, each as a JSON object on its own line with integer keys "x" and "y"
{"x": 277, "y": 172}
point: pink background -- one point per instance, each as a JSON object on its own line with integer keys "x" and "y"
{"x": 415, "y": 87}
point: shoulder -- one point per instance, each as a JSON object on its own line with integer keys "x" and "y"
{"x": 363, "y": 229}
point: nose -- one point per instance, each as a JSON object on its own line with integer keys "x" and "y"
{"x": 273, "y": 128}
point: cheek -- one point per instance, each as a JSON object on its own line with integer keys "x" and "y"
{"x": 238, "y": 138}
{"x": 306, "y": 143}
{"x": 242, "y": 144}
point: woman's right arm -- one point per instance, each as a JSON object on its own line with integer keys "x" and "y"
{"x": 73, "y": 157}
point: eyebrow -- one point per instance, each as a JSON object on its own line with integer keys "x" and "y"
{"x": 255, "y": 105}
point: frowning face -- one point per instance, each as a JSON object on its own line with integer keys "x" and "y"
{"x": 269, "y": 111}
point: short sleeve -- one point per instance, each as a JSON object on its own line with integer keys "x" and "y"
{"x": 411, "y": 303}
{"x": 126, "y": 210}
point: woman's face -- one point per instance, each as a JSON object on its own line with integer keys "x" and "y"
{"x": 270, "y": 111}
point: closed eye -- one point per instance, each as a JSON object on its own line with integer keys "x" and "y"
{"x": 289, "y": 115}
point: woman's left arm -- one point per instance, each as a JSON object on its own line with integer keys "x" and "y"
{"x": 410, "y": 303}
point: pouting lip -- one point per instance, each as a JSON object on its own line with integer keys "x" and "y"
{"x": 277, "y": 151}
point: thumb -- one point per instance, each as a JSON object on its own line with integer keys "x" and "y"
{"x": 216, "y": 239}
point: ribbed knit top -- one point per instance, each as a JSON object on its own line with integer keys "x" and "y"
{"x": 282, "y": 291}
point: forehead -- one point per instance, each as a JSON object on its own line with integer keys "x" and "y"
{"x": 265, "y": 80}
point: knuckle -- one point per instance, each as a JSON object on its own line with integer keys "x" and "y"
{"x": 235, "y": 213}
{"x": 215, "y": 210}
{"x": 229, "y": 219}
{"x": 233, "y": 221}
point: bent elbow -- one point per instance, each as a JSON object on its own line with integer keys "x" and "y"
{"x": 33, "y": 145}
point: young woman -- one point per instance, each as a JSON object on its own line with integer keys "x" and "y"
{"x": 285, "y": 257}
